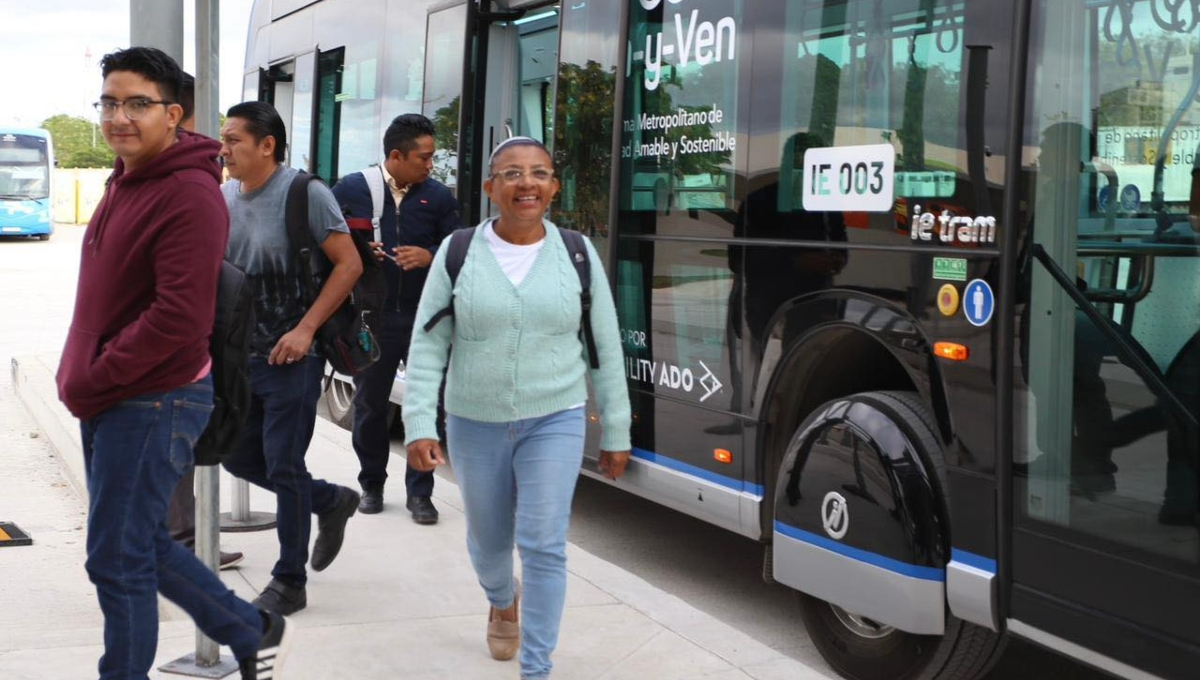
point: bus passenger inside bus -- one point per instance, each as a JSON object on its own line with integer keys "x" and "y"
{"x": 777, "y": 274}
{"x": 1135, "y": 373}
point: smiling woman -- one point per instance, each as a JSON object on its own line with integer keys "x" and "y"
{"x": 518, "y": 446}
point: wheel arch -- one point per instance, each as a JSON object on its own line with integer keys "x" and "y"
{"x": 866, "y": 346}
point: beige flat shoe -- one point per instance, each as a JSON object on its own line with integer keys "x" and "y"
{"x": 504, "y": 637}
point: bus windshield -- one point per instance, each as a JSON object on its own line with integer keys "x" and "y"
{"x": 24, "y": 168}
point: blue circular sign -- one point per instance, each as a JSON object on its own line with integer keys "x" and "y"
{"x": 978, "y": 302}
{"x": 1131, "y": 198}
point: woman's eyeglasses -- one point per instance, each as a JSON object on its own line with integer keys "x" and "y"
{"x": 513, "y": 175}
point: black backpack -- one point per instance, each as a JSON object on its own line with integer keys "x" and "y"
{"x": 460, "y": 241}
{"x": 229, "y": 347}
{"x": 345, "y": 339}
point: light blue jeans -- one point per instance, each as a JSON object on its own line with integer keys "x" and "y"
{"x": 517, "y": 481}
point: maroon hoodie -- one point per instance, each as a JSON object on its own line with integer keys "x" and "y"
{"x": 147, "y": 280}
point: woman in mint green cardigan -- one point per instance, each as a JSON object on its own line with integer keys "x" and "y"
{"x": 515, "y": 395}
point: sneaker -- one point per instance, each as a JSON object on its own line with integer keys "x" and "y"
{"x": 331, "y": 528}
{"x": 504, "y": 637}
{"x": 280, "y": 598}
{"x": 422, "y": 510}
{"x": 267, "y": 662}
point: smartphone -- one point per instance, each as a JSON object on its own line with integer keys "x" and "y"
{"x": 381, "y": 251}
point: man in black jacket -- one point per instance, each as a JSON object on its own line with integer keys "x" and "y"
{"x": 412, "y": 213}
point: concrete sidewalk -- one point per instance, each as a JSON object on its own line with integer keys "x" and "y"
{"x": 401, "y": 601}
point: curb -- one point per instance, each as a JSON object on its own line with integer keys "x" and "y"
{"x": 33, "y": 381}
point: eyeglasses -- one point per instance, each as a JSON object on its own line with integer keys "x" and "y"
{"x": 514, "y": 175}
{"x": 134, "y": 108}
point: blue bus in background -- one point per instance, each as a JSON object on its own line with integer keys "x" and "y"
{"x": 26, "y": 163}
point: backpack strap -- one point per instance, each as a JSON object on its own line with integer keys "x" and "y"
{"x": 299, "y": 236}
{"x": 460, "y": 241}
{"x": 577, "y": 250}
{"x": 376, "y": 184}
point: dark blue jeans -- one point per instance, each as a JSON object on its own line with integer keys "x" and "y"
{"x": 270, "y": 454}
{"x": 372, "y": 388}
{"x": 134, "y": 455}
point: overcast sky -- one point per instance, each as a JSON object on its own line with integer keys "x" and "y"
{"x": 44, "y": 67}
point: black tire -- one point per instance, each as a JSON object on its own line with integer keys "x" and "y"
{"x": 339, "y": 398}
{"x": 861, "y": 649}
{"x": 43, "y": 237}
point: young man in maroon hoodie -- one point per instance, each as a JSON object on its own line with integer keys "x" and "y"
{"x": 135, "y": 370}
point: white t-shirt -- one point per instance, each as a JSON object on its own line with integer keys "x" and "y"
{"x": 515, "y": 261}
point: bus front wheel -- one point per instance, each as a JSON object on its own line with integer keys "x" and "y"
{"x": 862, "y": 649}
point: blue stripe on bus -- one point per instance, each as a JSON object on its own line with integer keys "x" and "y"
{"x": 707, "y": 475}
{"x": 972, "y": 560}
{"x": 874, "y": 559}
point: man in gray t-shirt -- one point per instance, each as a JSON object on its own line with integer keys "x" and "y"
{"x": 259, "y": 245}
{"x": 285, "y": 373}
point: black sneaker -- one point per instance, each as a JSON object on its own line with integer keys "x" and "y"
{"x": 331, "y": 528}
{"x": 422, "y": 510}
{"x": 267, "y": 662}
{"x": 280, "y": 598}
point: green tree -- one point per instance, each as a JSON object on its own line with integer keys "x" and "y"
{"x": 77, "y": 142}
{"x": 445, "y": 125}
{"x": 583, "y": 146}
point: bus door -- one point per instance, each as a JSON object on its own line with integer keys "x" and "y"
{"x": 1106, "y": 546}
{"x": 305, "y": 91}
{"x": 512, "y": 77}
{"x": 441, "y": 98}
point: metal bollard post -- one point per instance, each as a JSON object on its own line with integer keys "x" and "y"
{"x": 206, "y": 662}
{"x": 242, "y": 518}
{"x": 208, "y": 546}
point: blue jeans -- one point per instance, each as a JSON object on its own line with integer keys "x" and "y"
{"x": 134, "y": 455}
{"x": 372, "y": 391}
{"x": 517, "y": 481}
{"x": 270, "y": 454}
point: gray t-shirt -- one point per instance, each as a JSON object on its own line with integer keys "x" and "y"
{"x": 259, "y": 245}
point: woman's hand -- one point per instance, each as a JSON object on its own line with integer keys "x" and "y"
{"x": 425, "y": 454}
{"x": 612, "y": 463}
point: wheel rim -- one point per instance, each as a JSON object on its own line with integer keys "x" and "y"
{"x": 342, "y": 395}
{"x": 860, "y": 625}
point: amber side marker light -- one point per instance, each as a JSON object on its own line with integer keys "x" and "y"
{"x": 722, "y": 456}
{"x": 951, "y": 350}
